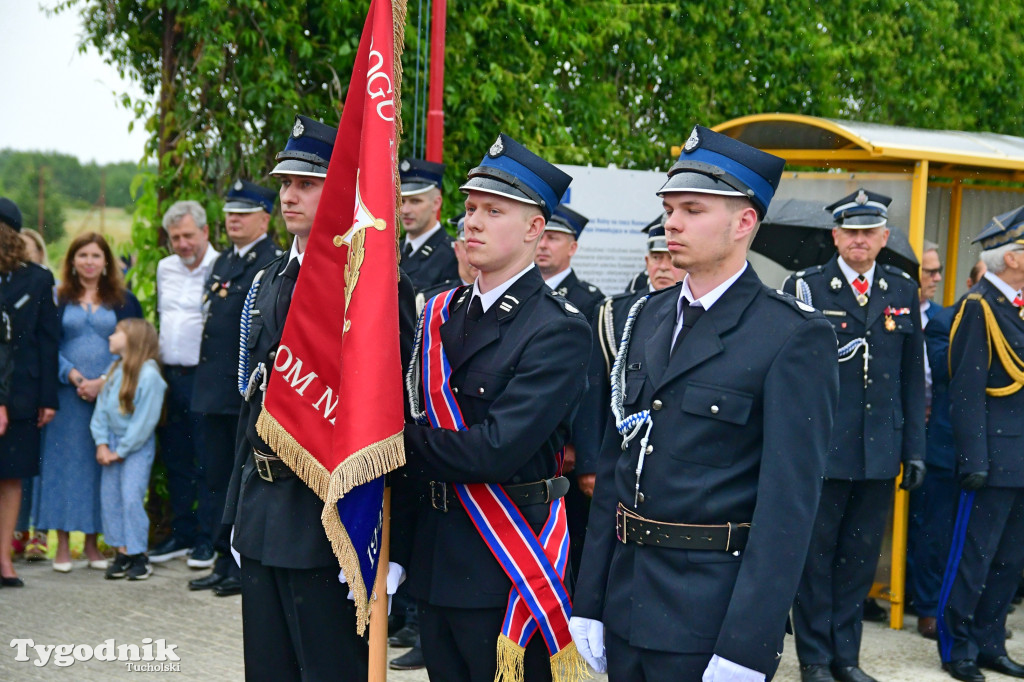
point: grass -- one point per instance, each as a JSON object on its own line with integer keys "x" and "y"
{"x": 115, "y": 224}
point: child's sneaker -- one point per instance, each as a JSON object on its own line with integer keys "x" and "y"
{"x": 118, "y": 568}
{"x": 18, "y": 544}
{"x": 35, "y": 549}
{"x": 140, "y": 568}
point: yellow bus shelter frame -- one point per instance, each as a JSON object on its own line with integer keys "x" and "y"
{"x": 930, "y": 158}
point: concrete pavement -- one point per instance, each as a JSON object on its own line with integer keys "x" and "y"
{"x": 81, "y": 608}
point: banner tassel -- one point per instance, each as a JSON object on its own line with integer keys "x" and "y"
{"x": 568, "y": 665}
{"x": 510, "y": 661}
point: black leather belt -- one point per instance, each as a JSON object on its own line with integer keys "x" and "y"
{"x": 270, "y": 467}
{"x": 443, "y": 497}
{"x": 630, "y": 527}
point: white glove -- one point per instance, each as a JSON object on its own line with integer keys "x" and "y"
{"x": 724, "y": 670}
{"x": 589, "y": 637}
{"x": 231, "y": 546}
{"x": 396, "y": 576}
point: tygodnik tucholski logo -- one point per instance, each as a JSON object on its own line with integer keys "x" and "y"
{"x": 149, "y": 656}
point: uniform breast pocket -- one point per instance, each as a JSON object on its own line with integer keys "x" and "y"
{"x": 904, "y": 325}
{"x": 484, "y": 385}
{"x": 721, "y": 413}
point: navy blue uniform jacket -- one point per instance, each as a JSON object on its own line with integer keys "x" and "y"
{"x": 989, "y": 430}
{"x": 216, "y": 384}
{"x": 35, "y": 337}
{"x": 881, "y": 424}
{"x": 769, "y": 367}
{"x": 517, "y": 379}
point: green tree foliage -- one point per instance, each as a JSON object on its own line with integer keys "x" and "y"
{"x": 20, "y": 176}
{"x": 614, "y": 81}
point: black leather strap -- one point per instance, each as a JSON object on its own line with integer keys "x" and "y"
{"x": 270, "y": 468}
{"x": 443, "y": 497}
{"x": 728, "y": 537}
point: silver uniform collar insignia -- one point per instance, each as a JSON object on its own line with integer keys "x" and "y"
{"x": 882, "y": 284}
{"x": 836, "y": 284}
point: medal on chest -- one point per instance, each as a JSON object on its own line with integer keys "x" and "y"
{"x": 891, "y": 313}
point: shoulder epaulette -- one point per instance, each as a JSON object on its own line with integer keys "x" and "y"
{"x": 813, "y": 270}
{"x": 893, "y": 270}
{"x": 568, "y": 308}
{"x": 792, "y": 302}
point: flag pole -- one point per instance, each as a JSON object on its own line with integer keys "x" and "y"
{"x": 378, "y": 667}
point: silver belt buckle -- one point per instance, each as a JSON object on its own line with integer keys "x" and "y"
{"x": 439, "y": 495}
{"x": 263, "y": 466}
{"x": 620, "y": 524}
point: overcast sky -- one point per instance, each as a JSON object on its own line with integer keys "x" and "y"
{"x": 55, "y": 99}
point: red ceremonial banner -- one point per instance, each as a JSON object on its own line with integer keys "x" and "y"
{"x": 333, "y": 408}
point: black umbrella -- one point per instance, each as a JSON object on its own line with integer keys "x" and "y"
{"x": 797, "y": 234}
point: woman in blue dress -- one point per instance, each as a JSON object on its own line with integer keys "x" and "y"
{"x": 91, "y": 300}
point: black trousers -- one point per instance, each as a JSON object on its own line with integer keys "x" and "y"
{"x": 982, "y": 574}
{"x": 216, "y": 457}
{"x": 179, "y": 449}
{"x": 298, "y": 624}
{"x": 932, "y": 515}
{"x": 632, "y": 664}
{"x": 840, "y": 569}
{"x": 460, "y": 645}
{"x": 577, "y": 513}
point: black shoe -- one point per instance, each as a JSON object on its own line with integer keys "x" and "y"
{"x": 171, "y": 548}
{"x": 396, "y": 621}
{"x": 851, "y": 673}
{"x": 873, "y": 613}
{"x": 202, "y": 556}
{"x": 815, "y": 673}
{"x": 12, "y": 582}
{"x": 207, "y": 582}
{"x": 1002, "y": 664}
{"x": 140, "y": 569}
{"x": 410, "y": 660}
{"x": 405, "y": 638}
{"x": 118, "y": 567}
{"x": 966, "y": 670}
{"x": 228, "y": 587}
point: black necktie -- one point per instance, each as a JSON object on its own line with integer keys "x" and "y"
{"x": 284, "y": 294}
{"x": 406, "y": 250}
{"x": 473, "y": 314}
{"x": 690, "y": 316}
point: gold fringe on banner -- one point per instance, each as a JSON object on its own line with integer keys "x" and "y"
{"x": 566, "y": 665}
{"x": 362, "y": 466}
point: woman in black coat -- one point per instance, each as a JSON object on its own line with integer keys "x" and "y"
{"x": 26, "y": 293}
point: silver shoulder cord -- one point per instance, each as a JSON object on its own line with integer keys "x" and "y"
{"x": 629, "y": 426}
{"x": 413, "y": 374}
{"x": 847, "y": 352}
{"x": 247, "y": 382}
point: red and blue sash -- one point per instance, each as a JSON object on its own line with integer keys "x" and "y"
{"x": 538, "y": 600}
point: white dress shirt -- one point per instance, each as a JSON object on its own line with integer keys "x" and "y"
{"x": 705, "y": 301}
{"x": 1003, "y": 287}
{"x": 242, "y": 250}
{"x": 492, "y": 296}
{"x": 558, "y": 278}
{"x": 422, "y": 239}
{"x": 180, "y": 307}
{"x": 852, "y": 274}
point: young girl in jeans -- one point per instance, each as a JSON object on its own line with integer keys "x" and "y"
{"x": 126, "y": 414}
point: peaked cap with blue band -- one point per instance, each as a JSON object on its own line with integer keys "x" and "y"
{"x": 309, "y": 149}
{"x": 655, "y": 230}
{"x": 10, "y": 213}
{"x": 511, "y": 170}
{"x": 248, "y": 197}
{"x": 713, "y": 163}
{"x": 419, "y": 176}
{"x": 564, "y": 219}
{"x": 861, "y": 210}
{"x": 459, "y": 223}
{"x": 1004, "y": 229}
